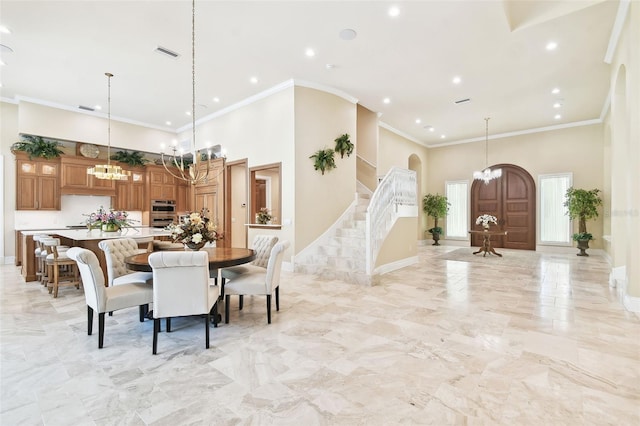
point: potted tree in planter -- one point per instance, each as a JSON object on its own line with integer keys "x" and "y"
{"x": 582, "y": 204}
{"x": 435, "y": 206}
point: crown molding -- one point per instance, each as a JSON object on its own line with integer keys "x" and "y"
{"x": 616, "y": 31}
{"x": 400, "y": 133}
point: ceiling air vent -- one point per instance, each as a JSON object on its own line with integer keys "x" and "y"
{"x": 86, "y": 108}
{"x": 167, "y": 52}
{"x": 462, "y": 101}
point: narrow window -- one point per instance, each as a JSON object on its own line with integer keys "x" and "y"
{"x": 457, "y": 193}
{"x": 555, "y": 226}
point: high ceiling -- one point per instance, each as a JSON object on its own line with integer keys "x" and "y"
{"x": 61, "y": 50}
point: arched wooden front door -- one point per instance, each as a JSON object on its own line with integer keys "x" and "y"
{"x": 512, "y": 200}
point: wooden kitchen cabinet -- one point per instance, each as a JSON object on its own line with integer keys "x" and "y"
{"x": 162, "y": 186}
{"x": 37, "y": 183}
{"x": 75, "y": 180}
{"x": 130, "y": 194}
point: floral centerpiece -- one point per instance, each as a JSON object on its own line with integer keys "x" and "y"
{"x": 195, "y": 231}
{"x": 485, "y": 220}
{"x": 108, "y": 221}
{"x": 263, "y": 216}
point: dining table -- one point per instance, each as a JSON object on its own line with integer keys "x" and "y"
{"x": 219, "y": 257}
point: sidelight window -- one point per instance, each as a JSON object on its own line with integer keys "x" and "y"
{"x": 457, "y": 193}
{"x": 555, "y": 226}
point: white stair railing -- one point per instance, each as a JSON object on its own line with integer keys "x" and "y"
{"x": 396, "y": 196}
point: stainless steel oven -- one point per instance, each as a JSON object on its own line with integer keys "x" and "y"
{"x": 163, "y": 213}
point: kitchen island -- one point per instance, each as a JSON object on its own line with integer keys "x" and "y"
{"x": 85, "y": 238}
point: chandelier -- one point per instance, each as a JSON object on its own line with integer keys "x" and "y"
{"x": 192, "y": 173}
{"x": 487, "y": 174}
{"x": 108, "y": 171}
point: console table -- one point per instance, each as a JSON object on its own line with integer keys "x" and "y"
{"x": 486, "y": 241}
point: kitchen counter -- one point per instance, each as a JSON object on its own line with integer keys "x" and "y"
{"x": 81, "y": 238}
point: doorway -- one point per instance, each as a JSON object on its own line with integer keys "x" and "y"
{"x": 512, "y": 200}
{"x": 236, "y": 196}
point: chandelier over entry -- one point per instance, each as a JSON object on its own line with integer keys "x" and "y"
{"x": 190, "y": 172}
{"x": 487, "y": 174}
{"x": 108, "y": 171}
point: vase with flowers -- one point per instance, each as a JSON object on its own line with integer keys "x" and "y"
{"x": 485, "y": 220}
{"x": 108, "y": 220}
{"x": 195, "y": 230}
{"x": 264, "y": 217}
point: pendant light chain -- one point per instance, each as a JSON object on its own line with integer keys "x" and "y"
{"x": 193, "y": 76}
{"x": 486, "y": 144}
{"x": 109, "y": 75}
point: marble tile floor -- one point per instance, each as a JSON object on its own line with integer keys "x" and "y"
{"x": 541, "y": 340}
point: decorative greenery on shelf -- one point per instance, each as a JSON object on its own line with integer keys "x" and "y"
{"x": 263, "y": 217}
{"x": 133, "y": 158}
{"x": 583, "y": 205}
{"x": 323, "y": 160}
{"x": 36, "y": 146}
{"x": 344, "y": 145}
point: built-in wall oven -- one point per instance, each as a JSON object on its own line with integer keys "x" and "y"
{"x": 163, "y": 213}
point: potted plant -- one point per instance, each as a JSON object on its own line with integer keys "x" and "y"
{"x": 435, "y": 206}
{"x": 344, "y": 145}
{"x": 323, "y": 160}
{"x": 133, "y": 158}
{"x": 583, "y": 205}
{"x": 36, "y": 146}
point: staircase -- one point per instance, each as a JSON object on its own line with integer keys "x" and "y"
{"x": 341, "y": 252}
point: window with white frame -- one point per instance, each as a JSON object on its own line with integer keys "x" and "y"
{"x": 457, "y": 193}
{"x": 555, "y": 226}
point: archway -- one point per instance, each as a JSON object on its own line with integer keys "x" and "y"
{"x": 620, "y": 173}
{"x": 415, "y": 164}
{"x": 512, "y": 200}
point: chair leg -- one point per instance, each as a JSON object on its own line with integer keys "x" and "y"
{"x": 156, "y": 327}
{"x": 223, "y": 281}
{"x": 142, "y": 312}
{"x": 100, "y": 330}
{"x": 227, "y": 299}
{"x": 277, "y": 298}
{"x": 241, "y": 301}
{"x": 268, "y": 309}
{"x": 206, "y": 329}
{"x": 214, "y": 312}
{"x": 168, "y": 320}
{"x": 111, "y": 313}
{"x": 56, "y": 280}
{"x": 89, "y": 320}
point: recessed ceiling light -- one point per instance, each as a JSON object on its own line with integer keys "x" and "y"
{"x": 4, "y": 30}
{"x": 1, "y": 62}
{"x": 188, "y": 112}
{"x": 432, "y": 129}
{"x": 216, "y": 99}
{"x": 98, "y": 107}
{"x": 254, "y": 80}
{"x": 555, "y": 91}
{"x": 310, "y": 52}
{"x": 386, "y": 100}
{"x": 557, "y": 105}
{"x": 552, "y": 45}
{"x": 347, "y": 34}
{"x": 329, "y": 66}
{"x": 168, "y": 123}
{"x": 394, "y": 11}
{"x": 457, "y": 80}
{"x": 418, "y": 121}
{"x": 442, "y": 136}
{"x": 557, "y": 116}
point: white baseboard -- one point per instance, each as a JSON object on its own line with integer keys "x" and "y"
{"x": 631, "y": 303}
{"x": 8, "y": 260}
{"x": 390, "y": 267}
{"x": 618, "y": 277}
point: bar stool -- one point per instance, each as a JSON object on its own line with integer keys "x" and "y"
{"x": 40, "y": 254}
{"x": 61, "y": 270}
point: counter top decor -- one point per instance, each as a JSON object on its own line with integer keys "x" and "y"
{"x": 195, "y": 230}
{"x": 108, "y": 221}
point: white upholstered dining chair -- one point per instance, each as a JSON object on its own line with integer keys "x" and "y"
{"x": 103, "y": 299}
{"x": 181, "y": 287}
{"x": 262, "y": 245}
{"x": 115, "y": 252}
{"x": 258, "y": 282}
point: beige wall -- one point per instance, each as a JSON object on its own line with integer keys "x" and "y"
{"x": 321, "y": 199}
{"x": 367, "y": 147}
{"x": 8, "y": 135}
{"x": 55, "y": 123}
{"x": 578, "y": 150}
{"x": 263, "y": 133}
{"x": 395, "y": 150}
{"x": 400, "y": 244}
{"x": 625, "y": 152}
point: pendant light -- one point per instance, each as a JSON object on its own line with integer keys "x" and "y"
{"x": 108, "y": 171}
{"x": 487, "y": 174}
